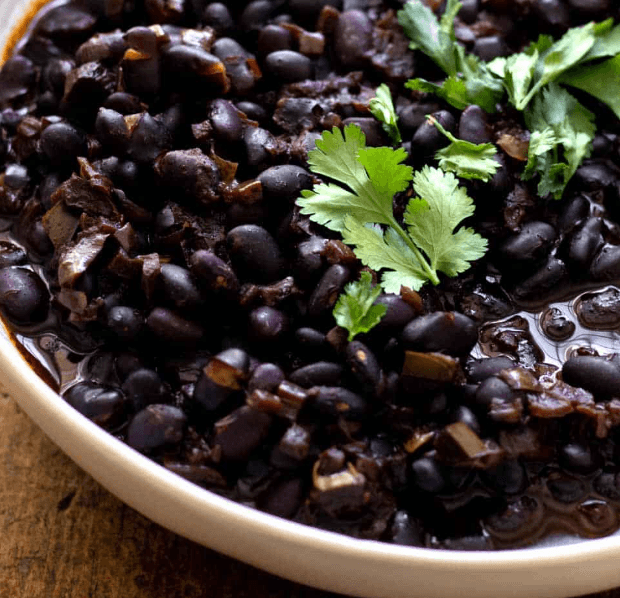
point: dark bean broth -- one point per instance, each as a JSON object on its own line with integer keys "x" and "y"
{"x": 190, "y": 310}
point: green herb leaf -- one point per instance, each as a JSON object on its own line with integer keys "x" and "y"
{"x": 373, "y": 175}
{"x": 607, "y": 42}
{"x": 382, "y": 108}
{"x": 355, "y": 310}
{"x": 453, "y": 90}
{"x": 601, "y": 81}
{"x": 410, "y": 259}
{"x": 435, "y": 215}
{"x": 430, "y": 36}
{"x": 467, "y": 160}
{"x": 562, "y": 132}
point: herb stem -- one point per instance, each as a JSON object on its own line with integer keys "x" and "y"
{"x": 431, "y": 273}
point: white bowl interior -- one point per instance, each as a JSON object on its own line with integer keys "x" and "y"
{"x": 307, "y": 555}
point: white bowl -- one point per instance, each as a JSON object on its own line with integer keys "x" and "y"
{"x": 300, "y": 553}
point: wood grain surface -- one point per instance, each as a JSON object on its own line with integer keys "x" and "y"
{"x": 64, "y": 536}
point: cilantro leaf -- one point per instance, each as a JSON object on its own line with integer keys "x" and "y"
{"x": 382, "y": 108}
{"x": 430, "y": 36}
{"x": 373, "y": 175}
{"x": 467, "y": 160}
{"x": 562, "y": 132}
{"x": 607, "y": 42}
{"x": 601, "y": 81}
{"x": 355, "y": 309}
{"x": 453, "y": 90}
{"x": 410, "y": 259}
{"x": 433, "y": 217}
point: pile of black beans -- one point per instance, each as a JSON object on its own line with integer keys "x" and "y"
{"x": 154, "y": 261}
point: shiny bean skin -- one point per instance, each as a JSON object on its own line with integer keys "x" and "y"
{"x": 328, "y": 290}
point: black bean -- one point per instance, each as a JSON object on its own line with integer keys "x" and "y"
{"x": 253, "y": 111}
{"x": 267, "y": 324}
{"x": 309, "y": 261}
{"x": 267, "y": 376}
{"x": 599, "y": 310}
{"x": 328, "y": 290}
{"x": 607, "y": 485}
{"x": 283, "y": 498}
{"x": 508, "y": 477}
{"x": 105, "y": 406}
{"x": 352, "y": 38}
{"x": 599, "y": 375}
{"x": 488, "y": 48}
{"x": 547, "y": 278}
{"x": 426, "y": 475}
{"x": 11, "y": 255}
{"x": 481, "y": 369}
{"x": 126, "y": 363}
{"x": 566, "y": 489}
{"x": 125, "y": 322}
{"x": 594, "y": 176}
{"x": 243, "y": 431}
{"x": 533, "y": 242}
{"x": 590, "y": 6}
{"x": 427, "y": 139}
{"x": 191, "y": 66}
{"x": 335, "y": 401}
{"x": 149, "y": 139}
{"x": 405, "y": 530}
{"x": 255, "y": 15}
{"x": 474, "y": 126}
{"x": 573, "y": 213}
{"x": 289, "y": 66}
{"x": 493, "y": 388}
{"x": 583, "y": 244}
{"x": 446, "y": 332}
{"x": 179, "y": 287}
{"x": 123, "y": 102}
{"x": 372, "y": 129}
{"x": 552, "y": 12}
{"x": 24, "y": 298}
{"x": 577, "y": 458}
{"x": 311, "y": 341}
{"x": 364, "y": 366}
{"x": 307, "y": 11}
{"x": 62, "y": 144}
{"x": 227, "y": 124}
{"x": 18, "y": 74}
{"x": 321, "y": 373}
{"x": 170, "y": 327}
{"x": 217, "y": 16}
{"x": 399, "y": 313}
{"x": 192, "y": 173}
{"x": 258, "y": 143}
{"x": 606, "y": 263}
{"x": 16, "y": 176}
{"x": 66, "y": 22}
{"x": 144, "y": 387}
{"x": 214, "y": 273}
{"x": 469, "y": 11}
{"x": 284, "y": 183}
{"x": 156, "y": 426}
{"x": 255, "y": 253}
{"x": 112, "y": 130}
{"x": 272, "y": 38}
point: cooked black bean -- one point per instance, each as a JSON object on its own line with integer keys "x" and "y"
{"x": 288, "y": 66}
{"x": 11, "y": 255}
{"x": 18, "y": 74}
{"x": 179, "y": 287}
{"x": 253, "y": 111}
{"x": 309, "y": 262}
{"x": 16, "y": 176}
{"x": 282, "y": 498}
{"x": 218, "y": 16}
{"x": 335, "y": 401}
{"x": 399, "y": 313}
{"x": 156, "y": 426}
{"x": 469, "y": 10}
{"x": 66, "y": 21}
{"x": 112, "y": 130}
{"x": 255, "y": 253}
{"x": 321, "y": 373}
{"x": 427, "y": 139}
{"x": 105, "y": 406}
{"x": 566, "y": 489}
{"x": 556, "y": 325}
{"x": 227, "y": 124}
{"x": 599, "y": 311}
{"x": 532, "y": 243}
{"x": 352, "y": 38}
{"x": 578, "y": 458}
{"x": 474, "y": 126}
{"x": 599, "y": 375}
{"x": 191, "y": 172}
{"x": 508, "y": 477}
{"x": 364, "y": 366}
{"x": 267, "y": 376}
{"x": 191, "y": 66}
{"x": 426, "y": 475}
{"x": 169, "y": 326}
{"x": 493, "y": 388}
{"x": 272, "y": 38}
{"x": 284, "y": 183}
{"x": 545, "y": 280}
{"x": 573, "y": 212}
{"x": 589, "y": 5}
{"x": 481, "y": 369}
{"x": 488, "y": 48}
{"x": 553, "y": 12}
{"x": 447, "y": 332}
{"x": 466, "y": 416}
{"x": 144, "y": 387}
{"x": 148, "y": 140}
{"x": 606, "y": 263}
{"x": 123, "y": 102}
{"x": 62, "y": 144}
{"x": 405, "y": 530}
{"x": 328, "y": 290}
{"x": 267, "y": 324}
{"x": 125, "y": 322}
{"x": 24, "y": 298}
{"x": 308, "y": 10}
{"x": 258, "y": 143}
{"x": 241, "y": 433}
{"x": 214, "y": 273}
{"x": 584, "y": 243}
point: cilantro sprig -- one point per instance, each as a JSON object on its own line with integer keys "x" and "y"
{"x": 431, "y": 239}
{"x": 382, "y": 108}
{"x": 356, "y": 310}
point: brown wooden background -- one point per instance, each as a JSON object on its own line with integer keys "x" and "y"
{"x": 64, "y": 536}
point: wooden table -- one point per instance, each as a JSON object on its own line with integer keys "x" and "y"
{"x": 64, "y": 536}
